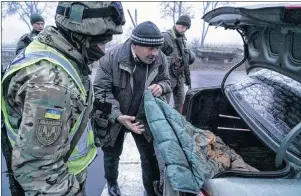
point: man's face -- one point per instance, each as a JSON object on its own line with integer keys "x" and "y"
{"x": 181, "y": 28}
{"x": 146, "y": 54}
{"x": 38, "y": 26}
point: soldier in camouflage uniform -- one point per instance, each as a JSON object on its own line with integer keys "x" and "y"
{"x": 6, "y": 148}
{"x": 174, "y": 57}
{"x": 45, "y": 93}
{"x": 37, "y": 22}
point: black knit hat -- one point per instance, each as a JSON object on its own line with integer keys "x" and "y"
{"x": 36, "y": 18}
{"x": 184, "y": 20}
{"x": 147, "y": 34}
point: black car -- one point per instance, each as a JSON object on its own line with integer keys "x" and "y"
{"x": 260, "y": 116}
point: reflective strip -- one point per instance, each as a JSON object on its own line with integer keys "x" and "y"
{"x": 75, "y": 127}
{"x": 37, "y": 56}
{"x": 82, "y": 145}
{"x": 10, "y": 132}
{"x": 78, "y": 165}
{"x": 81, "y": 154}
{"x": 172, "y": 33}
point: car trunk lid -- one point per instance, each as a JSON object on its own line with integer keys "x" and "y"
{"x": 273, "y": 42}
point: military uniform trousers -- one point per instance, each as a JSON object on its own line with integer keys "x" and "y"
{"x": 177, "y": 90}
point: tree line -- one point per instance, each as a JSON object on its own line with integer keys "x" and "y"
{"x": 169, "y": 9}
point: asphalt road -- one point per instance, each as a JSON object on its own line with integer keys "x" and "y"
{"x": 95, "y": 179}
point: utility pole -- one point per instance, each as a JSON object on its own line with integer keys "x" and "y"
{"x": 134, "y": 24}
{"x": 136, "y": 17}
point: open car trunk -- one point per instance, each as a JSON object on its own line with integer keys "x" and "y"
{"x": 268, "y": 101}
{"x": 209, "y": 109}
{"x": 259, "y": 117}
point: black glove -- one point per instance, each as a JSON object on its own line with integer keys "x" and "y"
{"x": 100, "y": 120}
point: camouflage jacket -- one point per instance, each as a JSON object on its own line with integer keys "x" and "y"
{"x": 172, "y": 51}
{"x": 39, "y": 167}
{"x": 25, "y": 40}
{"x": 170, "y": 48}
{"x": 115, "y": 76}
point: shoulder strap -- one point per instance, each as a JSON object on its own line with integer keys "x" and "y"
{"x": 171, "y": 32}
{"x": 25, "y": 59}
{"x": 25, "y": 36}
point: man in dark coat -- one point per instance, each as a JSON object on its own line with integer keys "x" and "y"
{"x": 125, "y": 72}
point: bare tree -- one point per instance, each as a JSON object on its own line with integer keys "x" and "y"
{"x": 208, "y": 6}
{"x": 24, "y": 9}
{"x": 175, "y": 9}
{"x": 195, "y": 43}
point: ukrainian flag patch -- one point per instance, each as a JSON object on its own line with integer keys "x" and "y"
{"x": 53, "y": 114}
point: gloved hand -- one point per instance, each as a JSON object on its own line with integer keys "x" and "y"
{"x": 99, "y": 126}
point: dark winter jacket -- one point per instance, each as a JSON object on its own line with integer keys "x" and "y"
{"x": 170, "y": 48}
{"x": 25, "y": 40}
{"x": 115, "y": 76}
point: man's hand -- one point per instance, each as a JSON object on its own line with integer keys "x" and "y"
{"x": 127, "y": 121}
{"x": 156, "y": 90}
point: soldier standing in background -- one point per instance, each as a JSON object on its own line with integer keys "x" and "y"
{"x": 179, "y": 59}
{"x": 37, "y": 22}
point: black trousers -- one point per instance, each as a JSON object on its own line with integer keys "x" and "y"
{"x": 149, "y": 164}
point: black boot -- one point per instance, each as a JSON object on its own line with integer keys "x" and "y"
{"x": 113, "y": 189}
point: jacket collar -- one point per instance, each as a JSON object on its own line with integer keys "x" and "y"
{"x": 136, "y": 59}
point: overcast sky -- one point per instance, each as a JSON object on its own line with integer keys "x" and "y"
{"x": 13, "y": 27}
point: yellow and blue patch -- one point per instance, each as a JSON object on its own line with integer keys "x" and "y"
{"x": 53, "y": 114}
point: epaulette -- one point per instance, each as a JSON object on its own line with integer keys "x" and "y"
{"x": 24, "y": 36}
